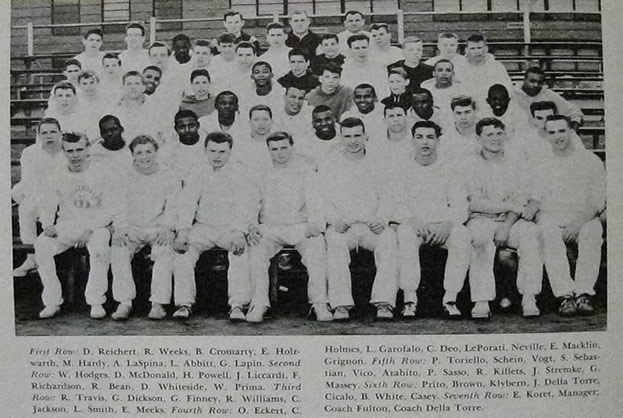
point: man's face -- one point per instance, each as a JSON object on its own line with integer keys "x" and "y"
{"x": 364, "y": 99}
{"x": 476, "y": 51}
{"x": 422, "y": 104}
{"x": 448, "y": 46}
{"x": 324, "y": 124}
{"x": 354, "y": 139}
{"x": 246, "y": 57}
{"x": 218, "y": 154}
{"x": 330, "y": 47}
{"x": 538, "y": 120}
{"x": 134, "y": 38}
{"x": 300, "y": 24}
{"x": 499, "y": 102}
{"x": 134, "y": 87}
{"x": 298, "y": 65}
{"x": 111, "y": 66}
{"x": 261, "y": 75}
{"x": 181, "y": 47}
{"x": 354, "y": 23}
{"x": 396, "y": 119}
{"x": 276, "y": 37}
{"x": 227, "y": 50}
{"x": 187, "y": 128}
{"x": 444, "y": 73}
{"x": 412, "y": 52}
{"x": 76, "y": 152}
{"x": 359, "y": 50}
{"x": 71, "y": 73}
{"x": 260, "y": 122}
{"x": 201, "y": 86}
{"x": 65, "y": 97}
{"x": 425, "y": 141}
{"x": 559, "y": 134}
{"x": 397, "y": 84}
{"x": 226, "y": 104}
{"x": 93, "y": 42}
{"x": 381, "y": 37}
{"x": 533, "y": 84}
{"x": 492, "y": 139}
{"x": 329, "y": 81}
{"x": 280, "y": 151}
{"x": 233, "y": 24}
{"x": 202, "y": 55}
{"x": 464, "y": 116}
{"x": 151, "y": 79}
{"x": 111, "y": 131}
{"x": 49, "y": 135}
{"x": 144, "y": 156}
{"x": 159, "y": 57}
{"x": 88, "y": 85}
{"x": 294, "y": 100}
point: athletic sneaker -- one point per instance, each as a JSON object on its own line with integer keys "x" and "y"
{"x": 451, "y": 311}
{"x": 123, "y": 312}
{"x": 584, "y": 305}
{"x": 321, "y": 310}
{"x": 528, "y": 306}
{"x": 49, "y": 311}
{"x": 236, "y": 314}
{"x": 157, "y": 311}
{"x": 384, "y": 312}
{"x": 182, "y": 312}
{"x": 27, "y": 267}
{"x": 408, "y": 311}
{"x": 568, "y": 306}
{"x": 97, "y": 312}
{"x": 256, "y": 314}
{"x": 341, "y": 314}
{"x": 481, "y": 310}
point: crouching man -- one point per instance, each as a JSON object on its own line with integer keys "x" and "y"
{"x": 214, "y": 212}
{"x": 290, "y": 214}
{"x": 146, "y": 218}
{"x": 431, "y": 210}
{"x": 82, "y": 201}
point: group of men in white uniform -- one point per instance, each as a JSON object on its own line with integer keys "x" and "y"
{"x": 452, "y": 156}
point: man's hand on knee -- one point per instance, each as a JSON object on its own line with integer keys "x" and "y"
{"x": 83, "y": 239}
{"x": 238, "y": 243}
{"x": 180, "y": 244}
{"x": 50, "y": 231}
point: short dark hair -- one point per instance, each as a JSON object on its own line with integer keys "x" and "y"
{"x": 109, "y": 56}
{"x": 106, "y": 118}
{"x": 142, "y": 140}
{"x": 135, "y": 25}
{"x": 365, "y": 86}
{"x": 299, "y": 52}
{"x": 73, "y": 137}
{"x": 544, "y": 105}
{"x": 332, "y": 67}
{"x": 219, "y": 137}
{"x": 498, "y": 88}
{"x": 534, "y": 70}
{"x": 420, "y": 90}
{"x": 279, "y": 136}
{"x": 292, "y": 86}
{"x": 462, "y": 101}
{"x": 444, "y": 61}
{"x": 495, "y": 122}
{"x": 553, "y": 118}
{"x": 130, "y": 74}
{"x": 377, "y": 26}
{"x": 94, "y": 31}
{"x": 246, "y": 45}
{"x": 226, "y": 38}
{"x": 185, "y": 113}
{"x": 158, "y": 45}
{"x": 64, "y": 85}
{"x": 329, "y": 36}
{"x": 352, "y": 12}
{"x": 181, "y": 37}
{"x": 232, "y": 13}
{"x": 72, "y": 61}
{"x": 358, "y": 37}
{"x": 351, "y": 123}
{"x": 85, "y": 75}
{"x": 48, "y": 121}
{"x": 275, "y": 25}
{"x": 391, "y": 106}
{"x": 426, "y": 124}
{"x": 475, "y": 38}
{"x": 260, "y": 108}
{"x": 398, "y": 70}
{"x": 152, "y": 68}
{"x": 199, "y": 73}
{"x": 225, "y": 93}
{"x": 264, "y": 63}
{"x": 203, "y": 42}
{"x": 321, "y": 108}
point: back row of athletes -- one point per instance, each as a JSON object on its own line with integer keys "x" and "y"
{"x": 492, "y": 196}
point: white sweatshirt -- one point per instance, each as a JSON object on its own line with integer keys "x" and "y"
{"x": 183, "y": 160}
{"x": 477, "y": 79}
{"x": 295, "y": 125}
{"x": 39, "y": 170}
{"x": 317, "y": 149}
{"x": 278, "y": 60}
{"x": 131, "y": 61}
{"x": 454, "y": 146}
{"x": 373, "y": 73}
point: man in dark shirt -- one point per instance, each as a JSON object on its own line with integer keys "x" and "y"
{"x": 234, "y": 23}
{"x": 330, "y": 47}
{"x": 301, "y": 36}
{"x": 416, "y": 70}
{"x": 299, "y": 75}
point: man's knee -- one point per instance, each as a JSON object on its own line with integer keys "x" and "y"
{"x": 162, "y": 253}
{"x": 459, "y": 238}
{"x": 591, "y": 232}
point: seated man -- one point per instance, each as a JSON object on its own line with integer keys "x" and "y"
{"x": 200, "y": 101}
{"x": 447, "y": 45}
{"x": 412, "y": 48}
{"x": 250, "y": 150}
{"x": 357, "y": 215}
{"x": 424, "y": 108}
{"x": 295, "y": 115}
{"x": 290, "y": 214}
{"x": 63, "y": 106}
{"x": 39, "y": 163}
{"x": 214, "y": 212}
{"x": 361, "y": 68}
{"x": 233, "y": 23}
{"x": 329, "y": 53}
{"x": 135, "y": 57}
{"x": 323, "y": 141}
{"x": 381, "y": 45}
{"x": 263, "y": 90}
{"x": 277, "y": 53}
{"x": 111, "y": 149}
{"x": 395, "y": 142}
{"x": 500, "y": 105}
{"x": 398, "y": 82}
{"x": 431, "y": 209}
{"x": 91, "y": 57}
{"x": 354, "y": 23}
{"x": 71, "y": 71}
{"x": 146, "y": 217}
{"x": 460, "y": 140}
{"x": 79, "y": 205}
{"x": 110, "y": 85}
{"x": 226, "y": 118}
{"x": 444, "y": 87}
{"x": 299, "y": 76}
{"x": 301, "y": 36}
{"x": 572, "y": 194}
{"x": 498, "y": 193}
{"x": 331, "y": 92}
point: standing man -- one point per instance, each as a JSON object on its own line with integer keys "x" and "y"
{"x": 573, "y": 195}
{"x": 135, "y": 57}
{"x": 181, "y": 48}
{"x": 395, "y": 141}
{"x": 417, "y": 71}
{"x": 354, "y": 23}
{"x": 277, "y": 53}
{"x": 367, "y": 109}
{"x": 381, "y": 45}
{"x": 447, "y": 45}
{"x": 300, "y": 36}
{"x": 226, "y": 118}
{"x": 444, "y": 87}
{"x": 357, "y": 215}
{"x": 290, "y": 214}
{"x": 234, "y": 22}
{"x": 360, "y": 68}
{"x": 460, "y": 140}
{"x": 111, "y": 149}
{"x": 250, "y": 150}
{"x": 431, "y": 210}
{"x": 329, "y": 52}
{"x": 500, "y": 105}
{"x": 91, "y": 57}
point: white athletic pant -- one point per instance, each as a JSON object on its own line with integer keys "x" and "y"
{"x": 556, "y": 262}
{"x": 203, "y": 238}
{"x": 524, "y": 237}
{"x": 28, "y": 213}
{"x": 384, "y": 246}
{"x": 123, "y": 287}
{"x": 458, "y": 245}
{"x": 313, "y": 256}
{"x": 99, "y": 256}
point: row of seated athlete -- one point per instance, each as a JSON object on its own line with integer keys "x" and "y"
{"x": 122, "y": 194}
